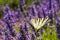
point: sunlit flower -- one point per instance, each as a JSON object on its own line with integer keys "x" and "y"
{"x": 38, "y": 23}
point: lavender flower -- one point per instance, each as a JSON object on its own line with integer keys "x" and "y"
{"x": 16, "y": 24}
{"x": 22, "y": 2}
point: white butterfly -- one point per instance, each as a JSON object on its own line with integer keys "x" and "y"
{"x": 38, "y": 23}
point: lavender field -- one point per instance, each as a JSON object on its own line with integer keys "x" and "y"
{"x": 29, "y": 19}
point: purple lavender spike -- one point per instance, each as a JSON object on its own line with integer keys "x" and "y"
{"x": 12, "y": 24}
{"x": 18, "y": 9}
{"x": 28, "y": 36}
{"x": 16, "y": 13}
{"x": 5, "y": 17}
{"x": 35, "y": 10}
{"x": 22, "y": 2}
{"x": 47, "y": 14}
{"x": 12, "y": 13}
{"x": 9, "y": 12}
{"x": 58, "y": 36}
{"x": 14, "y": 31}
{"x": 45, "y": 8}
{"x": 56, "y": 21}
{"x": 59, "y": 18}
{"x": 40, "y": 12}
{"x": 30, "y": 12}
{"x": 18, "y": 36}
{"x": 28, "y": 18}
{"x": 2, "y": 23}
{"x": 56, "y": 6}
{"x": 53, "y": 10}
{"x": 4, "y": 12}
{"x": 8, "y": 31}
{"x": 47, "y": 4}
{"x": 7, "y": 8}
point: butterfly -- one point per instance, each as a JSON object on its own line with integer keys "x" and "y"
{"x": 38, "y": 23}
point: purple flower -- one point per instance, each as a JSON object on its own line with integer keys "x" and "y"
{"x": 45, "y": 9}
{"x": 22, "y": 2}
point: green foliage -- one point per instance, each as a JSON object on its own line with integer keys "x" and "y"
{"x": 28, "y": 2}
{"x": 10, "y": 2}
{"x": 15, "y": 2}
{"x": 1, "y": 15}
{"x": 49, "y": 34}
{"x": 3, "y": 2}
{"x": 16, "y": 27}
